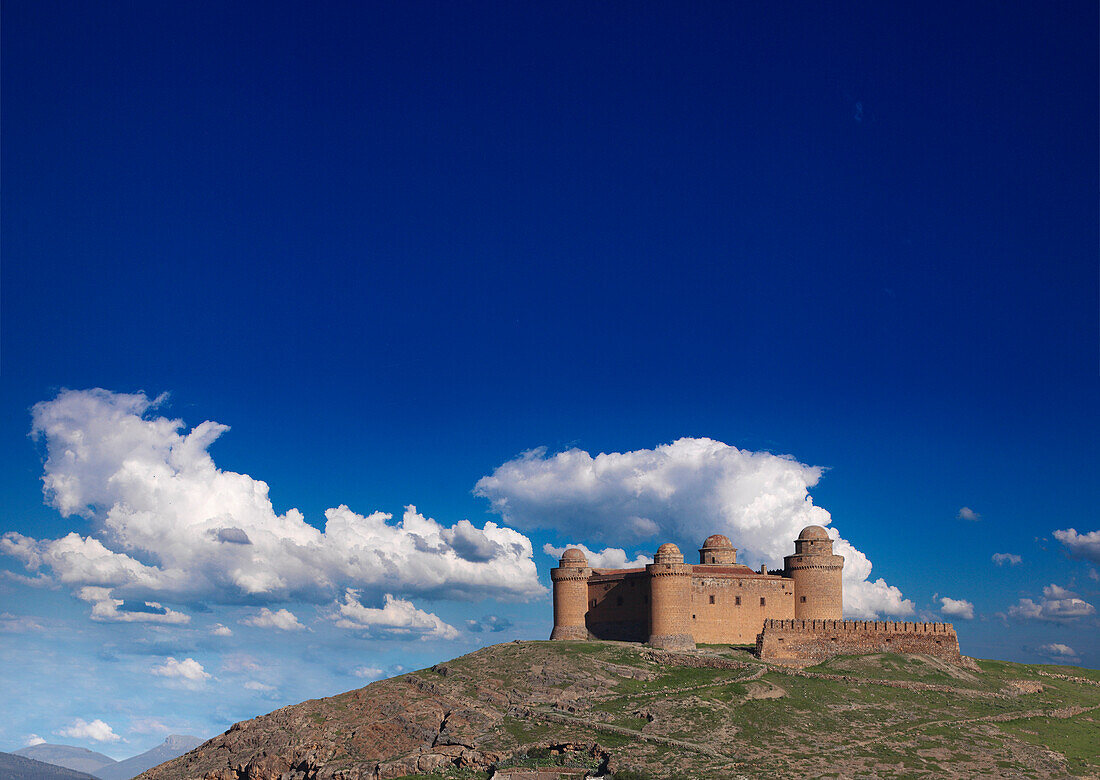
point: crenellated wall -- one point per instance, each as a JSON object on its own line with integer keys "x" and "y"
{"x": 818, "y": 640}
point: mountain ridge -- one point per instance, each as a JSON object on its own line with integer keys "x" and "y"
{"x": 16, "y": 767}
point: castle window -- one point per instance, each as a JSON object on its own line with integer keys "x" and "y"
{"x": 803, "y": 599}
{"x": 712, "y": 599}
{"x": 763, "y": 602}
{"x": 693, "y": 617}
{"x": 737, "y": 601}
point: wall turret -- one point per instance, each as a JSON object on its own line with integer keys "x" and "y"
{"x": 670, "y": 600}
{"x": 570, "y": 580}
{"x": 816, "y": 572}
{"x": 717, "y": 549}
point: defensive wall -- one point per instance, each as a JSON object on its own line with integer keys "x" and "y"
{"x": 819, "y": 640}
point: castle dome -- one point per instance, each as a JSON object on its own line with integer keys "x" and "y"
{"x": 716, "y": 540}
{"x": 573, "y": 557}
{"x": 814, "y": 532}
{"x": 668, "y": 553}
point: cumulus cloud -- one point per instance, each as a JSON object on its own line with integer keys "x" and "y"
{"x": 105, "y": 608}
{"x": 188, "y": 671}
{"x": 685, "y": 490}
{"x": 284, "y": 620}
{"x": 33, "y": 739}
{"x": 256, "y": 685}
{"x": 1006, "y": 558}
{"x": 1081, "y": 545}
{"x": 219, "y": 630}
{"x": 97, "y": 730}
{"x": 368, "y": 672}
{"x": 169, "y": 525}
{"x": 966, "y": 513}
{"x": 492, "y": 624}
{"x": 1059, "y": 651}
{"x": 1057, "y": 604}
{"x": 608, "y": 558}
{"x": 957, "y": 608}
{"x": 396, "y": 618}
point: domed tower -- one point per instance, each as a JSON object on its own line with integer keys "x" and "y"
{"x": 717, "y": 549}
{"x": 817, "y": 576}
{"x": 570, "y": 580}
{"x": 670, "y": 600}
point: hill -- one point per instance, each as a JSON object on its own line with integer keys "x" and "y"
{"x": 715, "y": 713}
{"x": 174, "y": 745}
{"x": 13, "y": 767}
{"x": 76, "y": 758}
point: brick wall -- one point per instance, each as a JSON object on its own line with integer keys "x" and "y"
{"x": 618, "y": 607}
{"x": 818, "y": 640}
{"x": 736, "y": 614}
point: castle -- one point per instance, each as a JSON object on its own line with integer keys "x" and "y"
{"x": 795, "y": 613}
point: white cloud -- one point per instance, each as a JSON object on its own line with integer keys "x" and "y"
{"x": 97, "y": 730}
{"x": 105, "y": 608}
{"x": 1057, "y": 604}
{"x": 255, "y": 685}
{"x": 492, "y": 624}
{"x": 33, "y": 739}
{"x": 284, "y": 620}
{"x": 18, "y": 624}
{"x": 188, "y": 671}
{"x": 219, "y": 630}
{"x": 966, "y": 513}
{"x": 1058, "y": 650}
{"x": 957, "y": 608}
{"x": 395, "y": 618}
{"x": 148, "y": 726}
{"x": 1081, "y": 545}
{"x": 169, "y": 525}
{"x": 1002, "y": 558}
{"x": 368, "y": 672}
{"x": 608, "y": 558}
{"x": 1053, "y": 591}
{"x": 685, "y": 490}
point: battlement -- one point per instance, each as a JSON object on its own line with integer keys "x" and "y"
{"x": 880, "y": 626}
{"x": 818, "y": 640}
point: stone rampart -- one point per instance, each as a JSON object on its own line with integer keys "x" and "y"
{"x": 818, "y": 640}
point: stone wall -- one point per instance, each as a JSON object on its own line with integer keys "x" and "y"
{"x": 730, "y": 610}
{"x": 618, "y": 606}
{"x": 818, "y": 640}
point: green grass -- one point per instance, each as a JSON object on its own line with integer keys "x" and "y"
{"x": 1077, "y": 738}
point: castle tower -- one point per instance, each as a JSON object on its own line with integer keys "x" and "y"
{"x": 717, "y": 549}
{"x": 818, "y": 592}
{"x": 670, "y": 600}
{"x": 570, "y": 580}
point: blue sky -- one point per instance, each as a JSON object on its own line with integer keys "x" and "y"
{"x": 750, "y": 256}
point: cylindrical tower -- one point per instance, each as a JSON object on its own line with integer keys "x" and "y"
{"x": 717, "y": 549}
{"x": 670, "y": 600}
{"x": 818, "y": 588}
{"x": 570, "y": 580}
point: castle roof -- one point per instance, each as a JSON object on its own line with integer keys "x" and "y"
{"x": 717, "y": 540}
{"x": 573, "y": 554}
{"x": 814, "y": 532}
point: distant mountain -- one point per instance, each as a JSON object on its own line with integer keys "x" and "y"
{"x": 75, "y": 758}
{"x": 13, "y": 767}
{"x": 174, "y": 746}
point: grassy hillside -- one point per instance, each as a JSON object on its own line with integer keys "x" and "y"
{"x": 656, "y": 714}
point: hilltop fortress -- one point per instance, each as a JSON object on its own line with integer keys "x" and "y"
{"x": 795, "y": 613}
